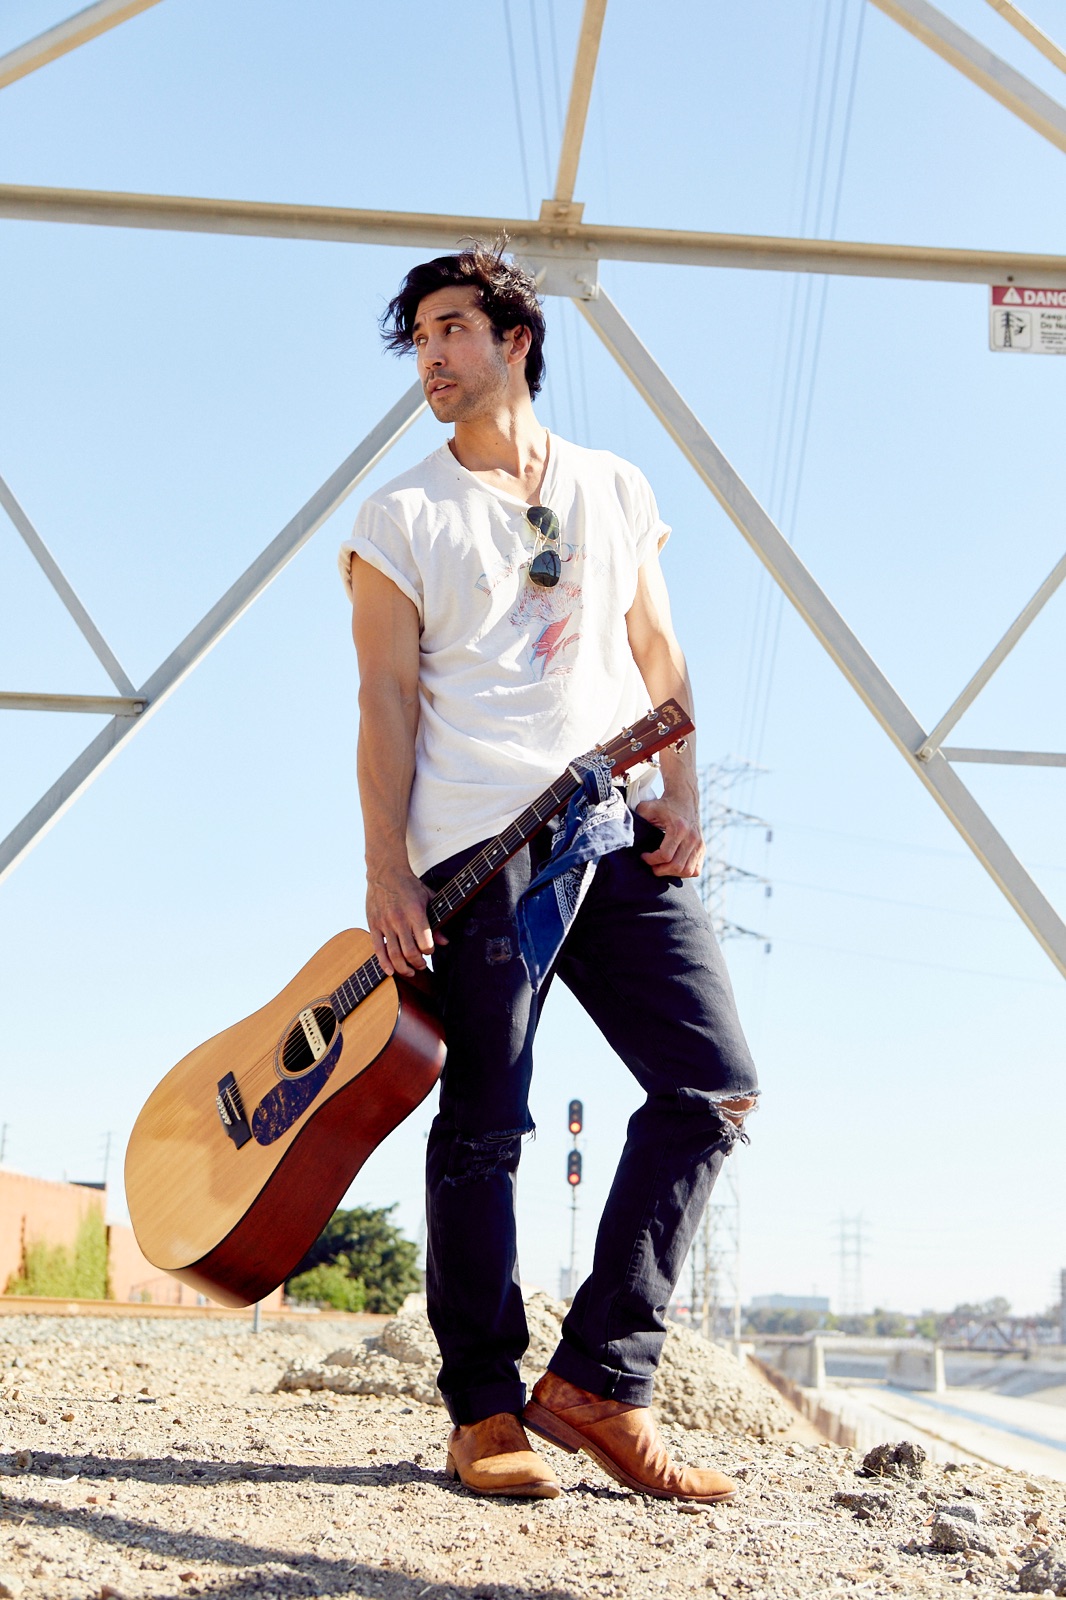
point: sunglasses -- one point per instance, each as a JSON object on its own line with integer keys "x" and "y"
{"x": 546, "y": 567}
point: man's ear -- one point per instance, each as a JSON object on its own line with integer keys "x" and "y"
{"x": 519, "y": 340}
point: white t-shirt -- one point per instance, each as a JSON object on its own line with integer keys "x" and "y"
{"x": 514, "y": 680}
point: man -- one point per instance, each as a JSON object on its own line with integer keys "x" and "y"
{"x": 509, "y": 614}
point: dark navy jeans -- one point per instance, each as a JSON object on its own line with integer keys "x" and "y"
{"x": 643, "y": 962}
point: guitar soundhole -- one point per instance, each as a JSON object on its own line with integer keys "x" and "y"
{"x": 307, "y": 1040}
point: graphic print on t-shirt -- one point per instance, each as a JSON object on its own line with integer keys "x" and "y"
{"x": 552, "y": 609}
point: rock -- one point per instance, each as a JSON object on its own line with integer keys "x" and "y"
{"x": 10, "y": 1587}
{"x": 409, "y": 1337}
{"x": 1046, "y": 1572}
{"x": 865, "y": 1505}
{"x": 903, "y": 1460}
{"x": 968, "y": 1513}
{"x": 951, "y": 1534}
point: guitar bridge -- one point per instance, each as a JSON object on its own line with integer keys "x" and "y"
{"x": 230, "y": 1109}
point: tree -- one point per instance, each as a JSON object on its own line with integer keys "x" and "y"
{"x": 331, "y": 1286}
{"x": 370, "y": 1248}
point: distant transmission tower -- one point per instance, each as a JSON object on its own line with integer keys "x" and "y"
{"x": 852, "y": 1242}
{"x": 715, "y": 1258}
{"x": 718, "y": 818}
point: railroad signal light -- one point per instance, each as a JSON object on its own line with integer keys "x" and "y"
{"x": 573, "y": 1168}
{"x": 575, "y": 1116}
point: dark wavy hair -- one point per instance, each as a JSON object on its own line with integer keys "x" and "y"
{"x": 507, "y": 294}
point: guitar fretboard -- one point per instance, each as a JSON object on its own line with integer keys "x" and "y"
{"x": 665, "y": 725}
{"x": 491, "y": 857}
{"x": 467, "y": 881}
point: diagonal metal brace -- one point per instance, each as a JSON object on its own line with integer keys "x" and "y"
{"x": 994, "y": 660}
{"x": 65, "y": 590}
{"x": 210, "y": 629}
{"x": 66, "y": 36}
{"x": 822, "y": 617}
{"x": 976, "y": 62}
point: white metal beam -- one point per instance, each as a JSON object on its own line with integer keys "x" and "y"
{"x": 993, "y": 660}
{"x": 816, "y": 609}
{"x": 68, "y": 35}
{"x": 64, "y": 589}
{"x": 592, "y": 241}
{"x": 210, "y": 629}
{"x": 1005, "y": 758}
{"x": 976, "y": 62}
{"x": 1029, "y": 30}
{"x": 588, "y": 46}
{"x": 113, "y": 705}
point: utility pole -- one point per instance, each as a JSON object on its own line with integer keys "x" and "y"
{"x": 716, "y": 1247}
{"x": 3, "y": 1141}
{"x": 107, "y": 1155}
{"x": 1062, "y": 1306}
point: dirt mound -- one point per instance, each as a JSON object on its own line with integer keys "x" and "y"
{"x": 699, "y": 1384}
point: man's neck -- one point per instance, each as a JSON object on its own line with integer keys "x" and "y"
{"x": 508, "y": 449}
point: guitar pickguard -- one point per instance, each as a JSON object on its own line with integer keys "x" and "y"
{"x": 278, "y": 1110}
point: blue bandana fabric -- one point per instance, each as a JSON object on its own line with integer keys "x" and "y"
{"x": 597, "y": 821}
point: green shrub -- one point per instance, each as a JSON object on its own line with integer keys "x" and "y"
{"x": 330, "y": 1285}
{"x": 65, "y": 1272}
{"x": 371, "y": 1248}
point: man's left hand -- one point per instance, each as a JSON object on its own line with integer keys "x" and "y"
{"x": 681, "y": 853}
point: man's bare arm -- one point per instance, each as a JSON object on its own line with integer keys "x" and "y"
{"x": 662, "y": 666}
{"x": 385, "y": 630}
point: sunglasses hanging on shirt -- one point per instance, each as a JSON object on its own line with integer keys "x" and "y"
{"x": 546, "y": 567}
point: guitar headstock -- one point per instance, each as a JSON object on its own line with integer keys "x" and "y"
{"x": 668, "y": 724}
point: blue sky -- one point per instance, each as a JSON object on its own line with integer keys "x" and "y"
{"x": 167, "y": 402}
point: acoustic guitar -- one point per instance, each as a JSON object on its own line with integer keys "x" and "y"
{"x": 244, "y": 1151}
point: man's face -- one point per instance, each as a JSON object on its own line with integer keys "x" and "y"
{"x": 462, "y": 366}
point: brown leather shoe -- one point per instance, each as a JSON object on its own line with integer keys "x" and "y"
{"x": 623, "y": 1439}
{"x": 493, "y": 1457}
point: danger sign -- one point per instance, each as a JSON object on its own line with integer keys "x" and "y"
{"x": 1028, "y": 319}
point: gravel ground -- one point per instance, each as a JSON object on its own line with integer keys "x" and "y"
{"x": 157, "y": 1458}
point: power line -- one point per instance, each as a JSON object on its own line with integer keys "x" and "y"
{"x": 901, "y": 844}
{"x": 516, "y": 94}
{"x": 911, "y": 961}
{"x": 800, "y": 365}
{"x": 888, "y": 900}
{"x": 823, "y": 291}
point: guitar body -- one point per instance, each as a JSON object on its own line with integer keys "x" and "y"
{"x": 244, "y": 1151}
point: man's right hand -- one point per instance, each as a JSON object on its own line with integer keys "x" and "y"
{"x": 396, "y": 904}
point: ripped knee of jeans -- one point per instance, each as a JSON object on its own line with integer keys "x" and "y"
{"x": 733, "y": 1111}
{"x": 481, "y": 1156}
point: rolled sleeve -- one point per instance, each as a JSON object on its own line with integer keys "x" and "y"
{"x": 378, "y": 540}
